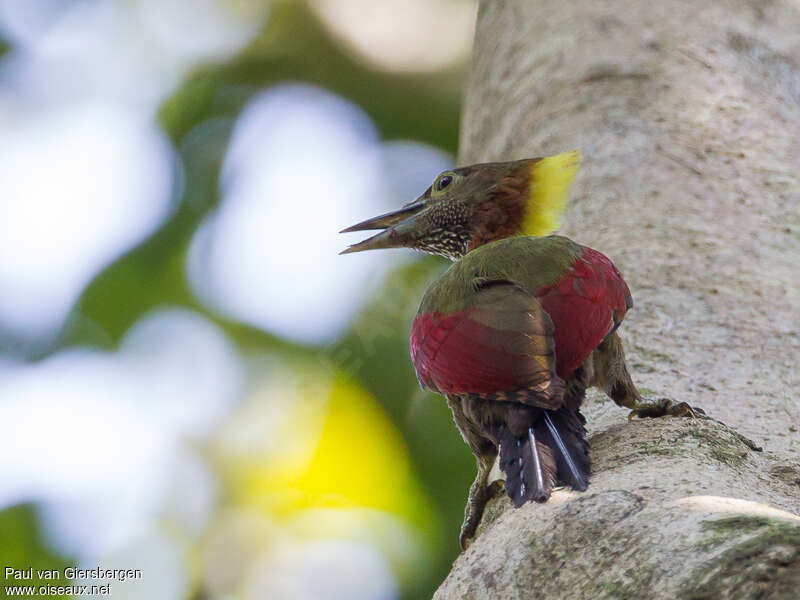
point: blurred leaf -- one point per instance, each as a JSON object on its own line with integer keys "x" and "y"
{"x": 295, "y": 47}
{"x": 21, "y": 547}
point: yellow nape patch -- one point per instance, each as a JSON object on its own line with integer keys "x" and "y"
{"x": 551, "y": 180}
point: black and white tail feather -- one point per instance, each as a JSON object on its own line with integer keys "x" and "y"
{"x": 553, "y": 451}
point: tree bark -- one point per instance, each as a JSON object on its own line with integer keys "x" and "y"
{"x": 688, "y": 117}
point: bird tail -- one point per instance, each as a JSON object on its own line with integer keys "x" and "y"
{"x": 554, "y": 450}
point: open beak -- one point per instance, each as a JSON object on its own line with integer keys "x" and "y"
{"x": 398, "y": 226}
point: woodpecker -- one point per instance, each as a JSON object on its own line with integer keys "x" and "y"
{"x": 518, "y": 327}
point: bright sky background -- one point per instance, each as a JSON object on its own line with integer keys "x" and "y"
{"x": 86, "y": 173}
{"x": 424, "y": 35}
{"x": 302, "y": 165}
{"x": 81, "y": 426}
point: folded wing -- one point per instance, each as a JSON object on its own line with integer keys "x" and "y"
{"x": 500, "y": 344}
{"x": 587, "y": 303}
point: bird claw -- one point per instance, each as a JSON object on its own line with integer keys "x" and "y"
{"x": 474, "y": 512}
{"x": 666, "y": 407}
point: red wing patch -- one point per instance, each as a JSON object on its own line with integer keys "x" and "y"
{"x": 585, "y": 305}
{"x": 501, "y": 341}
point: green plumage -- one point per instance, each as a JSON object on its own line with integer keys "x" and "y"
{"x": 528, "y": 261}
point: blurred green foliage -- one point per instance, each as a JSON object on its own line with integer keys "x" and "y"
{"x": 21, "y": 547}
{"x": 292, "y": 47}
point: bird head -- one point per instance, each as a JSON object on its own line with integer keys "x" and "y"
{"x": 470, "y": 206}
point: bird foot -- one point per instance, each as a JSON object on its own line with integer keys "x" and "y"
{"x": 665, "y": 407}
{"x": 474, "y": 510}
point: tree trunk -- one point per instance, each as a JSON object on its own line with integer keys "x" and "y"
{"x": 688, "y": 117}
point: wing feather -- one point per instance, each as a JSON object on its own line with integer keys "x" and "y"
{"x": 587, "y": 303}
{"x": 501, "y": 341}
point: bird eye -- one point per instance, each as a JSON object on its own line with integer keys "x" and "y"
{"x": 443, "y": 182}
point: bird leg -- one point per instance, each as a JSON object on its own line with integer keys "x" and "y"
{"x": 485, "y": 451}
{"x": 479, "y": 494}
{"x": 607, "y": 369}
